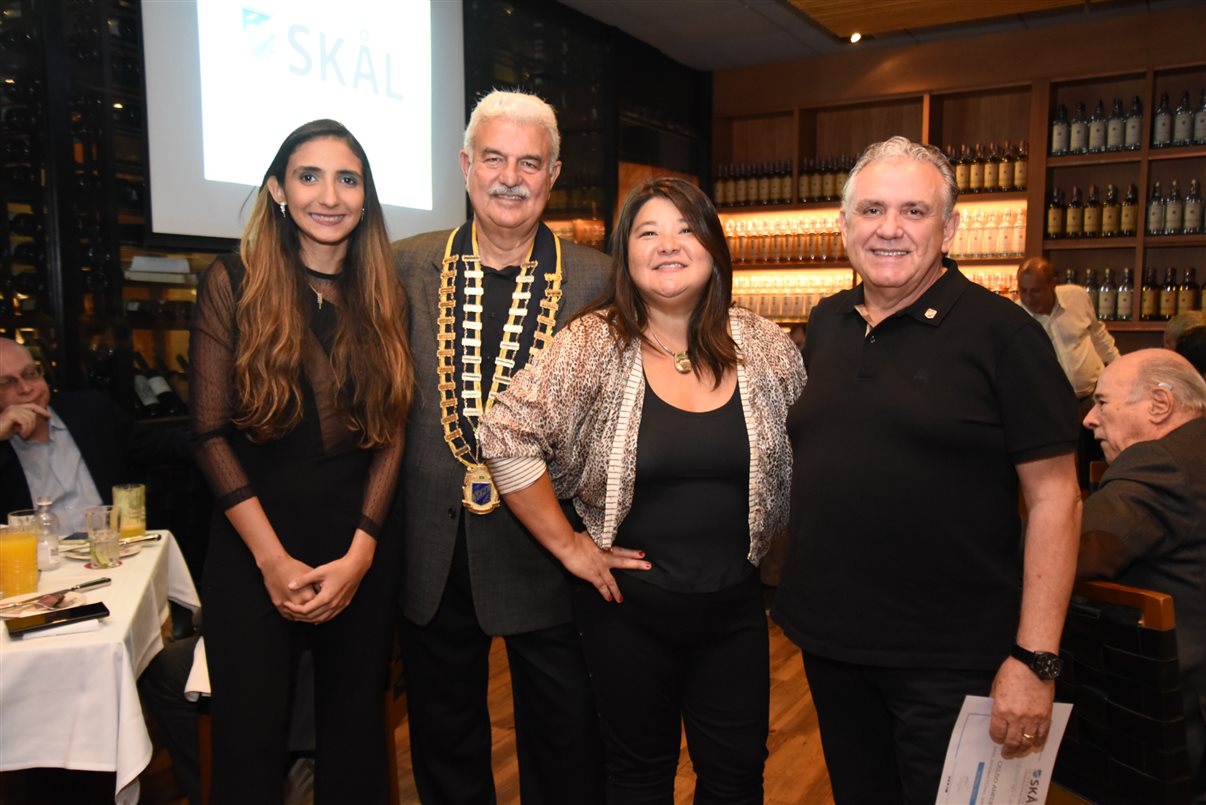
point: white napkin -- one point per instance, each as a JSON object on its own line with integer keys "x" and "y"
{"x": 91, "y": 625}
{"x": 198, "y": 676}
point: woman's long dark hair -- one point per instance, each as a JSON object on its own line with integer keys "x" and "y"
{"x": 370, "y": 356}
{"x": 709, "y": 344}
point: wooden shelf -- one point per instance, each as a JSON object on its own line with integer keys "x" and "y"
{"x": 818, "y": 265}
{"x": 1173, "y": 241}
{"x": 1009, "y": 195}
{"x": 1095, "y": 158}
{"x": 807, "y": 206}
{"x": 1177, "y": 152}
{"x": 1134, "y": 326}
{"x": 1068, "y": 244}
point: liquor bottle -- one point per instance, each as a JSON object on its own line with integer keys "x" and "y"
{"x": 1183, "y": 122}
{"x": 1162, "y": 123}
{"x": 741, "y": 187}
{"x": 992, "y": 169}
{"x": 763, "y": 185}
{"x": 49, "y": 532}
{"x": 1005, "y": 168}
{"x": 1055, "y": 214}
{"x": 843, "y": 175}
{"x": 1107, "y": 298}
{"x": 963, "y": 170}
{"x": 802, "y": 182}
{"x": 1097, "y": 128}
{"x": 1059, "y": 132}
{"x": 1199, "y": 122}
{"x": 1149, "y": 296}
{"x": 1093, "y": 214}
{"x": 1168, "y": 295}
{"x": 1116, "y": 127}
{"x": 1133, "y": 139}
{"x": 170, "y": 402}
{"x": 1193, "y": 209}
{"x": 815, "y": 182}
{"x": 1078, "y": 131}
{"x": 1128, "y": 223}
{"x": 975, "y": 180}
{"x": 1091, "y": 286}
{"x": 718, "y": 188}
{"x": 1069, "y": 277}
{"x": 1111, "y": 213}
{"x": 1174, "y": 210}
{"x": 1155, "y": 212}
{"x": 1125, "y": 298}
{"x": 828, "y": 181}
{"x": 1188, "y": 292}
{"x": 1074, "y": 216}
{"x": 1021, "y": 167}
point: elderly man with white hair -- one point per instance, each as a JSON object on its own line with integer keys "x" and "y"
{"x": 1146, "y": 525}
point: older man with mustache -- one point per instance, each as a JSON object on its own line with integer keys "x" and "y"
{"x": 484, "y": 299}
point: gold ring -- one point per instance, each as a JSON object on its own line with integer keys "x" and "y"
{"x": 1027, "y": 736}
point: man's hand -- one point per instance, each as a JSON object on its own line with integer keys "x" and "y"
{"x": 21, "y": 419}
{"x": 1021, "y": 710}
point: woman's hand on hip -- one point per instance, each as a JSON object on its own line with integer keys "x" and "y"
{"x": 592, "y": 564}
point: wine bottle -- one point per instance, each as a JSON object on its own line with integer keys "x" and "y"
{"x": 1188, "y": 292}
{"x": 1055, "y": 214}
{"x": 963, "y": 170}
{"x": 1074, "y": 216}
{"x": 1149, "y": 296}
{"x": 1155, "y": 212}
{"x": 1059, "y": 132}
{"x": 1021, "y": 167}
{"x": 1193, "y": 209}
{"x": 1162, "y": 124}
{"x": 1107, "y": 297}
{"x": 1133, "y": 139}
{"x": 1125, "y": 298}
{"x": 1199, "y": 122}
{"x": 1091, "y": 286}
{"x": 1183, "y": 122}
{"x": 992, "y": 164}
{"x": 170, "y": 403}
{"x": 1097, "y": 128}
{"x": 1005, "y": 168}
{"x": 1174, "y": 210}
{"x": 1111, "y": 219}
{"x": 1168, "y": 295}
{"x": 1093, "y": 214}
{"x": 1116, "y": 127}
{"x": 145, "y": 398}
{"x": 1128, "y": 223}
{"x": 1078, "y": 131}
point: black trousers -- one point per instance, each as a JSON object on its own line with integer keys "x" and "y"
{"x": 885, "y": 731}
{"x": 253, "y": 655}
{"x": 663, "y": 661}
{"x": 447, "y": 678}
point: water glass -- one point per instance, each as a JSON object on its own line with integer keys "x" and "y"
{"x": 104, "y": 542}
{"x": 131, "y": 502}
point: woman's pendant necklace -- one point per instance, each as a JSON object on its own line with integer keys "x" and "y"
{"x": 682, "y": 363}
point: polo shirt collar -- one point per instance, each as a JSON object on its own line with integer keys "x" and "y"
{"x": 932, "y": 306}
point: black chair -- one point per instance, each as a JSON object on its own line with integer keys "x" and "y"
{"x": 1125, "y": 742}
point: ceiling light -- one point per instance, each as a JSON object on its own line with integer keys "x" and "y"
{"x": 855, "y": 37}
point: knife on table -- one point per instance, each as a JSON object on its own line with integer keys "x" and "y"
{"x": 86, "y": 585}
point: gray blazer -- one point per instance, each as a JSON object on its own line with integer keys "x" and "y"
{"x": 517, "y": 585}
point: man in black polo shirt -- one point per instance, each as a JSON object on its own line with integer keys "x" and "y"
{"x": 929, "y": 401}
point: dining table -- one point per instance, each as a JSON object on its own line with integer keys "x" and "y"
{"x": 69, "y": 696}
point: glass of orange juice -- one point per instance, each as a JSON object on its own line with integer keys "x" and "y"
{"x": 19, "y": 555}
{"x": 130, "y": 500}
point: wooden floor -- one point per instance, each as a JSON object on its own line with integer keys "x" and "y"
{"x": 795, "y": 770}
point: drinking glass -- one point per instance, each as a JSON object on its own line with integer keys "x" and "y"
{"x": 104, "y": 525}
{"x": 19, "y": 555}
{"x": 131, "y": 502}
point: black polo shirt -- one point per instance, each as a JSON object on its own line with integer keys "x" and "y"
{"x": 905, "y": 535}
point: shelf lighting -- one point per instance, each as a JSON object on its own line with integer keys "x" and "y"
{"x": 855, "y": 38}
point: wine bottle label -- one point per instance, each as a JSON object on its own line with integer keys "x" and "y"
{"x": 963, "y": 176}
{"x": 1123, "y": 304}
{"x": 1172, "y": 218}
{"x": 1020, "y": 174}
{"x": 1199, "y": 127}
{"x": 1097, "y": 135}
{"x": 1074, "y": 222}
{"x": 158, "y": 385}
{"x": 763, "y": 189}
{"x": 1148, "y": 303}
{"x": 1193, "y": 217}
{"x": 1130, "y": 219}
{"x": 1110, "y": 220}
{"x": 1187, "y": 300}
{"x": 1078, "y": 138}
{"x": 1059, "y": 138}
{"x": 814, "y": 187}
{"x": 1055, "y": 222}
{"x": 1155, "y": 218}
{"x": 990, "y": 176}
{"x": 1005, "y": 176}
{"x": 1168, "y": 304}
{"x": 1162, "y": 129}
{"x": 1115, "y": 134}
{"x": 803, "y": 187}
{"x": 975, "y": 180}
{"x": 1107, "y": 299}
{"x": 1183, "y": 129}
{"x": 739, "y": 191}
{"x": 1134, "y": 130}
{"x": 1093, "y": 222}
{"x": 142, "y": 388}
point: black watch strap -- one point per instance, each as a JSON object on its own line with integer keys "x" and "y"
{"x": 1044, "y": 664}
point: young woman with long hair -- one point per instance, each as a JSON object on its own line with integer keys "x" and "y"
{"x": 301, "y": 384}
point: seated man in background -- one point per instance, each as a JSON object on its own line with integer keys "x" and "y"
{"x": 1192, "y": 346}
{"x": 72, "y": 449}
{"x": 1146, "y": 525}
{"x": 1180, "y": 324}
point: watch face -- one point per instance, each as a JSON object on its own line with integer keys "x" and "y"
{"x": 1047, "y": 665}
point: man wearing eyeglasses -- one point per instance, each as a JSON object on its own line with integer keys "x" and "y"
{"x": 72, "y": 449}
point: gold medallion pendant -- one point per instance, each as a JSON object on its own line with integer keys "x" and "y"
{"x": 478, "y": 493}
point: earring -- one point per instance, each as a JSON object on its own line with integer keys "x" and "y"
{"x": 362, "y": 213}
{"x": 283, "y": 205}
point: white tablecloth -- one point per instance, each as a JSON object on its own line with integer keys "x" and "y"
{"x": 70, "y": 700}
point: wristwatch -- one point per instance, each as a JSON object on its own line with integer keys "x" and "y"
{"x": 1046, "y": 666}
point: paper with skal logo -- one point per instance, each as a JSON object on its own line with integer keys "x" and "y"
{"x": 976, "y": 774}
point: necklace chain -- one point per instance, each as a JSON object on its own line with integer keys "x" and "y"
{"x": 471, "y": 341}
{"x": 682, "y": 362}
